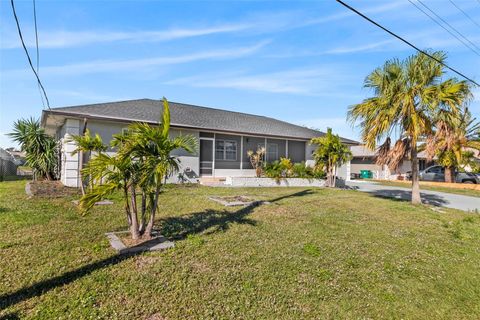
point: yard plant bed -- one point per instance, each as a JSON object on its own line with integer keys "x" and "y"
{"x": 313, "y": 253}
{"x": 124, "y": 244}
{"x": 49, "y": 189}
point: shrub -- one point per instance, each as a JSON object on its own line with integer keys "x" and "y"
{"x": 286, "y": 169}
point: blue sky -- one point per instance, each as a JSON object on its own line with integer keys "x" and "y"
{"x": 299, "y": 61}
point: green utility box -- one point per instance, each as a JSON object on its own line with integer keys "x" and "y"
{"x": 366, "y": 174}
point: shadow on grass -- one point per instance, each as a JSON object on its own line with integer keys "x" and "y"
{"x": 10, "y": 316}
{"x": 403, "y": 195}
{"x": 176, "y": 227}
{"x": 180, "y": 227}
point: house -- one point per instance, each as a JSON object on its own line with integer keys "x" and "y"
{"x": 224, "y": 137}
{"x": 363, "y": 158}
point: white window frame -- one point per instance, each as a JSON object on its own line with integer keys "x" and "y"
{"x": 224, "y": 158}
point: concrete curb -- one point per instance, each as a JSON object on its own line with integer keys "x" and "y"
{"x": 157, "y": 243}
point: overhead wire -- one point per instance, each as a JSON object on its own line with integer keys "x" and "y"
{"x": 37, "y": 47}
{"x": 406, "y": 41}
{"x": 28, "y": 55}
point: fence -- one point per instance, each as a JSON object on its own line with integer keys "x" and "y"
{"x": 8, "y": 169}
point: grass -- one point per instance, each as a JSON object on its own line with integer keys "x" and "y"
{"x": 311, "y": 253}
{"x": 464, "y": 192}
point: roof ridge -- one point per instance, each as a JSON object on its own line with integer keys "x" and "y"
{"x": 99, "y": 103}
{"x": 217, "y": 109}
{"x": 248, "y": 114}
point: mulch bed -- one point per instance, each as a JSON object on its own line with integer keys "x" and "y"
{"x": 49, "y": 189}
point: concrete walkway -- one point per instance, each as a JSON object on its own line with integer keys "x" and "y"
{"x": 435, "y": 198}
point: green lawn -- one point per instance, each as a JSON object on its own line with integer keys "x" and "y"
{"x": 309, "y": 254}
{"x": 464, "y": 192}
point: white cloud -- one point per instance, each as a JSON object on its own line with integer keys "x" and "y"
{"x": 99, "y": 66}
{"x": 262, "y": 23}
{"x": 347, "y": 13}
{"x": 476, "y": 94}
{"x": 311, "y": 81}
{"x": 65, "y": 39}
{"x": 339, "y": 125}
{"x": 360, "y": 48}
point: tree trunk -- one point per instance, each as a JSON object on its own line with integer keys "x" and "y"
{"x": 334, "y": 176}
{"x": 143, "y": 213}
{"x": 134, "y": 226}
{"x": 329, "y": 176}
{"x": 149, "y": 229}
{"x": 258, "y": 171}
{"x": 449, "y": 174}
{"x": 415, "y": 177}
{"x": 80, "y": 176}
{"x": 127, "y": 207}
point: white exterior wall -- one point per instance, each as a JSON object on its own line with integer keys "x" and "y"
{"x": 309, "y": 149}
{"x": 70, "y": 164}
{"x": 189, "y": 163}
{"x": 69, "y": 175}
{"x": 234, "y": 173}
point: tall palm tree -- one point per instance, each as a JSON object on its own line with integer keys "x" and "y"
{"x": 41, "y": 149}
{"x": 408, "y": 95}
{"x": 86, "y": 143}
{"x": 452, "y": 141}
{"x": 142, "y": 163}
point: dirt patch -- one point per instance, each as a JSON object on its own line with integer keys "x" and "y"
{"x": 143, "y": 262}
{"x": 129, "y": 242}
{"x": 230, "y": 201}
{"x": 49, "y": 189}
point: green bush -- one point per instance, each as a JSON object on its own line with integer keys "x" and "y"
{"x": 286, "y": 169}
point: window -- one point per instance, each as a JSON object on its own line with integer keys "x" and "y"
{"x": 226, "y": 150}
{"x": 436, "y": 169}
{"x": 272, "y": 151}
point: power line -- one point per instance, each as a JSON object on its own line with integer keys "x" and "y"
{"x": 38, "y": 53}
{"x": 444, "y": 28}
{"x": 28, "y": 55}
{"x": 464, "y": 13}
{"x": 406, "y": 41}
{"x": 448, "y": 24}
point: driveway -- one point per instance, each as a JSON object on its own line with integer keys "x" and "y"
{"x": 435, "y": 198}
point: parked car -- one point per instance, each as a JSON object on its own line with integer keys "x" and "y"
{"x": 437, "y": 173}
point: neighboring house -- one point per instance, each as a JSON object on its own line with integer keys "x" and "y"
{"x": 224, "y": 137}
{"x": 8, "y": 164}
{"x": 364, "y": 159}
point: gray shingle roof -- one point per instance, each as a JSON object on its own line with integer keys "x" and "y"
{"x": 186, "y": 115}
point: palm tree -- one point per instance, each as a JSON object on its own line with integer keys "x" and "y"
{"x": 330, "y": 153}
{"x": 41, "y": 149}
{"x": 142, "y": 163}
{"x": 452, "y": 141}
{"x": 86, "y": 143}
{"x": 408, "y": 95}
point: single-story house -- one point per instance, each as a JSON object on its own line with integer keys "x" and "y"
{"x": 363, "y": 158}
{"x": 224, "y": 137}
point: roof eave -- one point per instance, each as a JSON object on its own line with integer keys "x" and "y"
{"x": 125, "y": 120}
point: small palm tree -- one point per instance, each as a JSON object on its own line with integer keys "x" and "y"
{"x": 408, "y": 95}
{"x": 41, "y": 149}
{"x": 86, "y": 143}
{"x": 257, "y": 159}
{"x": 452, "y": 139}
{"x": 142, "y": 163}
{"x": 330, "y": 154}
